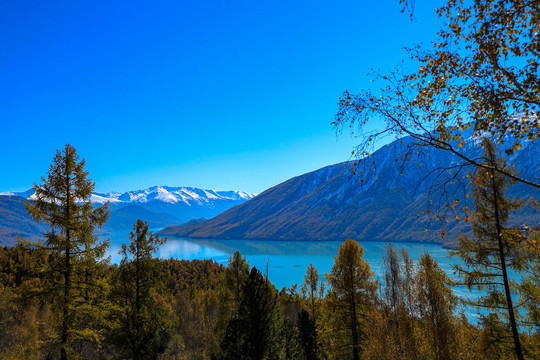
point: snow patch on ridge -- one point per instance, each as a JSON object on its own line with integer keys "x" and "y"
{"x": 172, "y": 195}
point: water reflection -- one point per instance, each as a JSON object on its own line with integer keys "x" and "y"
{"x": 286, "y": 261}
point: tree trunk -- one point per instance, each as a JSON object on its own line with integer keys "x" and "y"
{"x": 354, "y": 332}
{"x": 65, "y": 310}
{"x": 515, "y": 333}
{"x": 67, "y": 274}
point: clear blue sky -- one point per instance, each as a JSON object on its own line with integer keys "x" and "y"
{"x": 211, "y": 94}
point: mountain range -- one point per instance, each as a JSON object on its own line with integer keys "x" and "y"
{"x": 159, "y": 206}
{"x": 382, "y": 202}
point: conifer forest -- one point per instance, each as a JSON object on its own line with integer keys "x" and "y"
{"x": 62, "y": 298}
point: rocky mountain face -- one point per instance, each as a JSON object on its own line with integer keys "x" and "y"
{"x": 159, "y": 206}
{"x": 382, "y": 202}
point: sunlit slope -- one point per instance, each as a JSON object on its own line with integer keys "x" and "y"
{"x": 384, "y": 204}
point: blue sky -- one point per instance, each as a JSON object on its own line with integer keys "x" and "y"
{"x": 215, "y": 94}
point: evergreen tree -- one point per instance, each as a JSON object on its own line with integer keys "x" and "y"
{"x": 254, "y": 332}
{"x": 488, "y": 257}
{"x": 145, "y": 324}
{"x": 351, "y": 293}
{"x": 307, "y": 336}
{"x": 236, "y": 274}
{"x": 230, "y": 296}
{"x": 63, "y": 201}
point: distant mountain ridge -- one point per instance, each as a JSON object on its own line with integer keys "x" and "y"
{"x": 167, "y": 194}
{"x": 160, "y": 206}
{"x": 333, "y": 204}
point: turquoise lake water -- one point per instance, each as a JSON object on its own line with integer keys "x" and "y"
{"x": 287, "y": 261}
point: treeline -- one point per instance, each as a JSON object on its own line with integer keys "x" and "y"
{"x": 148, "y": 308}
{"x": 62, "y": 299}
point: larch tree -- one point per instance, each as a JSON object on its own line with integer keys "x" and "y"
{"x": 351, "y": 292}
{"x": 63, "y": 202}
{"x": 436, "y": 305}
{"x": 235, "y": 275}
{"x": 399, "y": 303}
{"x": 313, "y": 290}
{"x": 529, "y": 287}
{"x": 494, "y": 250}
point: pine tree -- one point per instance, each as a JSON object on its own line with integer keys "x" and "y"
{"x": 236, "y": 274}
{"x": 145, "y": 327}
{"x": 307, "y": 336}
{"x": 254, "y": 331}
{"x": 230, "y": 295}
{"x": 63, "y": 201}
{"x": 488, "y": 257}
{"x": 351, "y": 293}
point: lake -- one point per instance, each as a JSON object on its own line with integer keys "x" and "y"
{"x": 287, "y": 261}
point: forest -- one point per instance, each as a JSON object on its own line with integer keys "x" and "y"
{"x": 62, "y": 298}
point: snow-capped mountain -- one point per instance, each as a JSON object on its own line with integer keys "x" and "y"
{"x": 158, "y": 205}
{"x": 172, "y": 195}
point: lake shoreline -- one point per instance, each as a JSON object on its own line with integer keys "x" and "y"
{"x": 444, "y": 246}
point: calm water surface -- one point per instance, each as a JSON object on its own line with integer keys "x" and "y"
{"x": 287, "y": 261}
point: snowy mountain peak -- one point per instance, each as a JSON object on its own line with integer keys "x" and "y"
{"x": 167, "y": 194}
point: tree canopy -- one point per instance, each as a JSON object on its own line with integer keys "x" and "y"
{"x": 63, "y": 202}
{"x": 479, "y": 78}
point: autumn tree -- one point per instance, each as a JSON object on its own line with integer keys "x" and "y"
{"x": 313, "y": 290}
{"x": 351, "y": 292}
{"x": 480, "y": 77}
{"x": 400, "y": 303}
{"x": 529, "y": 287}
{"x": 436, "y": 305}
{"x": 63, "y": 202}
{"x": 145, "y": 325}
{"x": 488, "y": 257}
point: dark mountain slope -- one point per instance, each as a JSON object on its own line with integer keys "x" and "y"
{"x": 159, "y": 206}
{"x": 15, "y": 222}
{"x": 333, "y": 204}
{"x": 125, "y": 217}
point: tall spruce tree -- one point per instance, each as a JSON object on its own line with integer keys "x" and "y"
{"x": 493, "y": 251}
{"x": 351, "y": 293}
{"x": 145, "y": 325}
{"x": 63, "y": 202}
{"x": 230, "y": 296}
{"x": 254, "y": 332}
{"x": 307, "y": 337}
